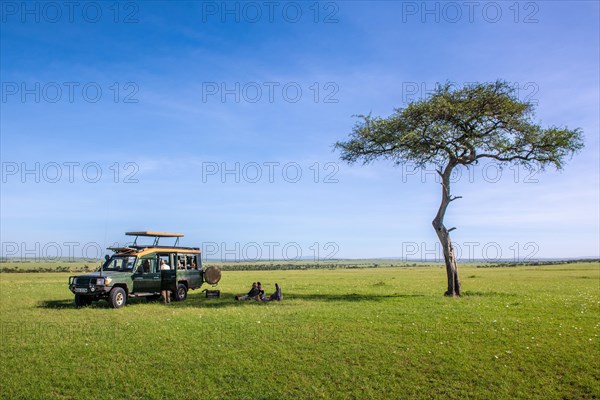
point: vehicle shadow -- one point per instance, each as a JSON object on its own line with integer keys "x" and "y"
{"x": 69, "y": 303}
{"x": 56, "y": 304}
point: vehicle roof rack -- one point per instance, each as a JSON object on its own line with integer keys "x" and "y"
{"x": 122, "y": 249}
{"x": 155, "y": 235}
{"x": 132, "y": 248}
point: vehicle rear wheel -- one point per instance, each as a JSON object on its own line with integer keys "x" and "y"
{"x": 181, "y": 293}
{"x": 117, "y": 297}
{"x": 82, "y": 301}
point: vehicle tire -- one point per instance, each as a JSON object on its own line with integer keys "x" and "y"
{"x": 212, "y": 275}
{"x": 82, "y": 301}
{"x": 181, "y": 293}
{"x": 117, "y": 297}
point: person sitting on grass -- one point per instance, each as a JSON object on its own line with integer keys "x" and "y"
{"x": 277, "y": 296}
{"x": 261, "y": 292}
{"x": 251, "y": 294}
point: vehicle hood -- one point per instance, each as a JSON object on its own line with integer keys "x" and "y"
{"x": 91, "y": 275}
{"x": 105, "y": 274}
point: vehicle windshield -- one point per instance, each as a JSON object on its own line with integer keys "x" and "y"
{"x": 119, "y": 263}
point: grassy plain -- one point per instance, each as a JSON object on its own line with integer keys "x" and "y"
{"x": 520, "y": 332}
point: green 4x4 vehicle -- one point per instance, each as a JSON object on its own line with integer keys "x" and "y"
{"x": 140, "y": 271}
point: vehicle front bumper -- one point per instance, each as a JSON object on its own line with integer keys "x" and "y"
{"x": 90, "y": 289}
{"x": 94, "y": 290}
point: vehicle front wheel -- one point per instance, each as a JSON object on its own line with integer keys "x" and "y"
{"x": 181, "y": 293}
{"x": 82, "y": 301}
{"x": 117, "y": 297}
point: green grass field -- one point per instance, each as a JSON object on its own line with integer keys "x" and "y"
{"x": 522, "y": 332}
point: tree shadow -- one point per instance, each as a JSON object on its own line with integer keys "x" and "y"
{"x": 201, "y": 301}
{"x": 228, "y": 300}
{"x": 470, "y": 293}
{"x": 350, "y": 297}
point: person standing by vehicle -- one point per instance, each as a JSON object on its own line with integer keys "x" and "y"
{"x": 165, "y": 294}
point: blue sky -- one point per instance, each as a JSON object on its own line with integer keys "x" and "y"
{"x": 172, "y": 95}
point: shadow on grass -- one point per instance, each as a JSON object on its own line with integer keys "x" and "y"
{"x": 352, "y": 297}
{"x": 469, "y": 293}
{"x": 69, "y": 303}
{"x": 56, "y": 304}
{"x": 228, "y": 300}
{"x": 194, "y": 301}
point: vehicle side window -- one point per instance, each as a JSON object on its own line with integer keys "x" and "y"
{"x": 192, "y": 262}
{"x": 167, "y": 259}
{"x": 146, "y": 265}
{"x": 181, "y": 262}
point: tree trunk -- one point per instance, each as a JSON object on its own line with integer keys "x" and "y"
{"x": 444, "y": 235}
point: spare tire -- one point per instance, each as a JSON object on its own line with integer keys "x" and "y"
{"x": 212, "y": 275}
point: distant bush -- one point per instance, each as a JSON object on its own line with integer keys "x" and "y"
{"x": 59, "y": 268}
{"x": 309, "y": 265}
{"x": 536, "y": 263}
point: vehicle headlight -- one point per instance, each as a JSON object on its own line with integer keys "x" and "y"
{"x": 99, "y": 281}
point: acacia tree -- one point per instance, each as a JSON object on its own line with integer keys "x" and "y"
{"x": 458, "y": 127}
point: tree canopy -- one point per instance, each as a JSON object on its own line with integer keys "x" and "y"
{"x": 462, "y": 126}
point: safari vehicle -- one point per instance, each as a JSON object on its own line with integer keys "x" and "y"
{"x": 135, "y": 271}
